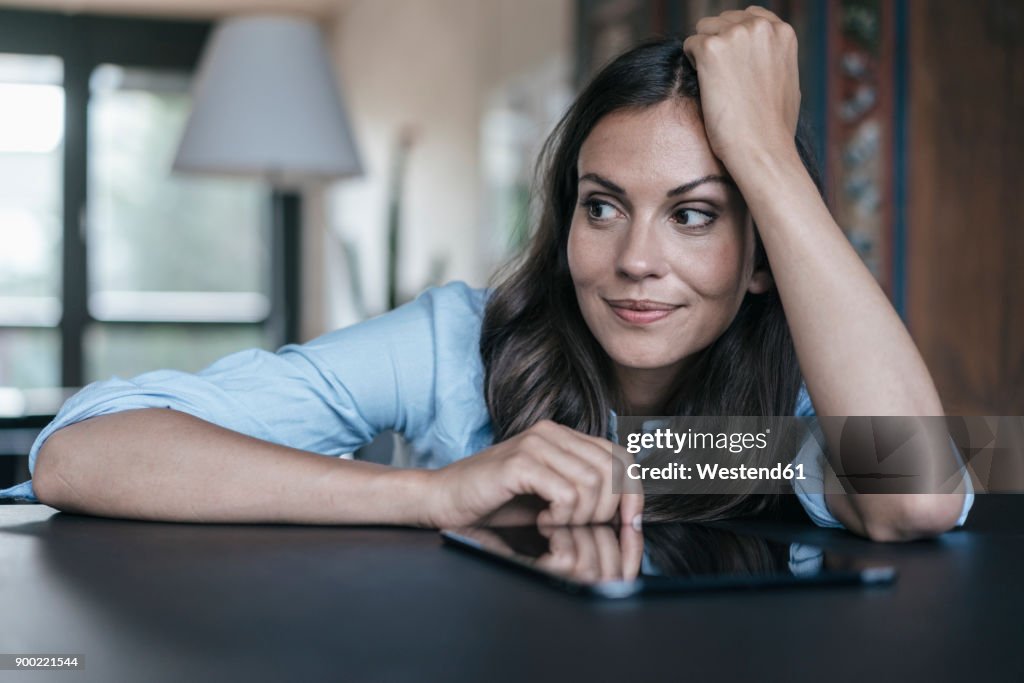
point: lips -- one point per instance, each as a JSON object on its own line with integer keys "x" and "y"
{"x": 641, "y": 305}
{"x": 641, "y": 311}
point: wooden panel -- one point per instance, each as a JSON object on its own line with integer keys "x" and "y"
{"x": 859, "y": 159}
{"x": 966, "y": 200}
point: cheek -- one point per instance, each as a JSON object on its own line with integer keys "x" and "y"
{"x": 717, "y": 270}
{"x": 586, "y": 257}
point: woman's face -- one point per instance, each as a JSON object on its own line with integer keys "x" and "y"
{"x": 660, "y": 246}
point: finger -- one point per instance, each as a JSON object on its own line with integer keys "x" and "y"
{"x": 608, "y": 552}
{"x": 606, "y": 496}
{"x": 759, "y": 11}
{"x": 613, "y": 462}
{"x": 631, "y": 509}
{"x": 734, "y": 16}
{"x": 691, "y": 46}
{"x": 555, "y": 431}
{"x": 597, "y": 455}
{"x": 631, "y": 543}
{"x": 631, "y": 500}
{"x": 560, "y": 542}
{"x": 623, "y": 473}
{"x": 584, "y": 477}
{"x": 560, "y": 493}
{"x": 561, "y": 555}
{"x": 709, "y": 26}
{"x": 603, "y": 454}
{"x": 588, "y": 562}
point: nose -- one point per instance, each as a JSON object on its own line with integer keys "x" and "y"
{"x": 640, "y": 253}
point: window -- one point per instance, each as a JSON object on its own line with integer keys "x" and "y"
{"x": 110, "y": 264}
{"x": 171, "y": 259}
{"x": 31, "y": 164}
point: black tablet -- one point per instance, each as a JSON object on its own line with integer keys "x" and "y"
{"x": 609, "y": 562}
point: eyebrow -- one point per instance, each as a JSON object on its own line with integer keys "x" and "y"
{"x": 682, "y": 189}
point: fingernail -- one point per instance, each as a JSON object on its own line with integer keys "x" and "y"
{"x": 638, "y": 522}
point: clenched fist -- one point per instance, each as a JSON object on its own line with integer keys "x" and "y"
{"x": 746, "y": 64}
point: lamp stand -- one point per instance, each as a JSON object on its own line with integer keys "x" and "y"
{"x": 287, "y": 265}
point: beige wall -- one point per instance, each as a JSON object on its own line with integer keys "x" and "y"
{"x": 431, "y": 66}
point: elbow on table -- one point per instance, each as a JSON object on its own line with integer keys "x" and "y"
{"x": 915, "y": 516}
{"x": 49, "y": 482}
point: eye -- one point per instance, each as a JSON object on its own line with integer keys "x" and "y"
{"x": 598, "y": 210}
{"x": 693, "y": 218}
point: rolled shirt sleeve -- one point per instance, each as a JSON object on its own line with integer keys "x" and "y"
{"x": 329, "y": 396}
{"x": 810, "y": 492}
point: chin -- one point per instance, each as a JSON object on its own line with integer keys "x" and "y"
{"x": 645, "y": 361}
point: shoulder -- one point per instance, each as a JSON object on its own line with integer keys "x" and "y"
{"x": 438, "y": 315}
{"x": 452, "y": 314}
{"x": 427, "y": 353}
{"x": 415, "y": 345}
{"x": 461, "y": 424}
{"x": 454, "y": 308}
{"x": 457, "y": 297}
{"x": 455, "y": 314}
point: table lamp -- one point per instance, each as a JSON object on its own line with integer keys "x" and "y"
{"x": 266, "y": 104}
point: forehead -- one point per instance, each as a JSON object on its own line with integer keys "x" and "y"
{"x": 664, "y": 144}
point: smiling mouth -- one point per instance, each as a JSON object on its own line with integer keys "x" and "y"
{"x": 641, "y": 311}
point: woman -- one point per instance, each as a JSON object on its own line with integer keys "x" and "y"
{"x": 646, "y": 291}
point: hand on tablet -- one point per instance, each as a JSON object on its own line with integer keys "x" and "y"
{"x": 548, "y": 474}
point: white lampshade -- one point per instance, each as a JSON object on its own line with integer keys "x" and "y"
{"x": 267, "y": 104}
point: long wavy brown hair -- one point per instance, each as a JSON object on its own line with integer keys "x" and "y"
{"x": 541, "y": 360}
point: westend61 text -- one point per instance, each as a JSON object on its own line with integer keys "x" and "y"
{"x": 713, "y": 471}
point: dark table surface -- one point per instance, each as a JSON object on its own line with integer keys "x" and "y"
{"x": 176, "y": 602}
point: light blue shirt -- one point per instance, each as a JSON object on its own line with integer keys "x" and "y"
{"x": 416, "y": 370}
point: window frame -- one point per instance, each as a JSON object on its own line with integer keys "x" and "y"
{"x": 83, "y": 42}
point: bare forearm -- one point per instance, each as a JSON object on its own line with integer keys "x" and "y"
{"x": 855, "y": 353}
{"x": 856, "y": 356}
{"x": 167, "y": 465}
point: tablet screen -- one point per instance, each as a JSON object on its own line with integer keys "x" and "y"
{"x": 611, "y": 562}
